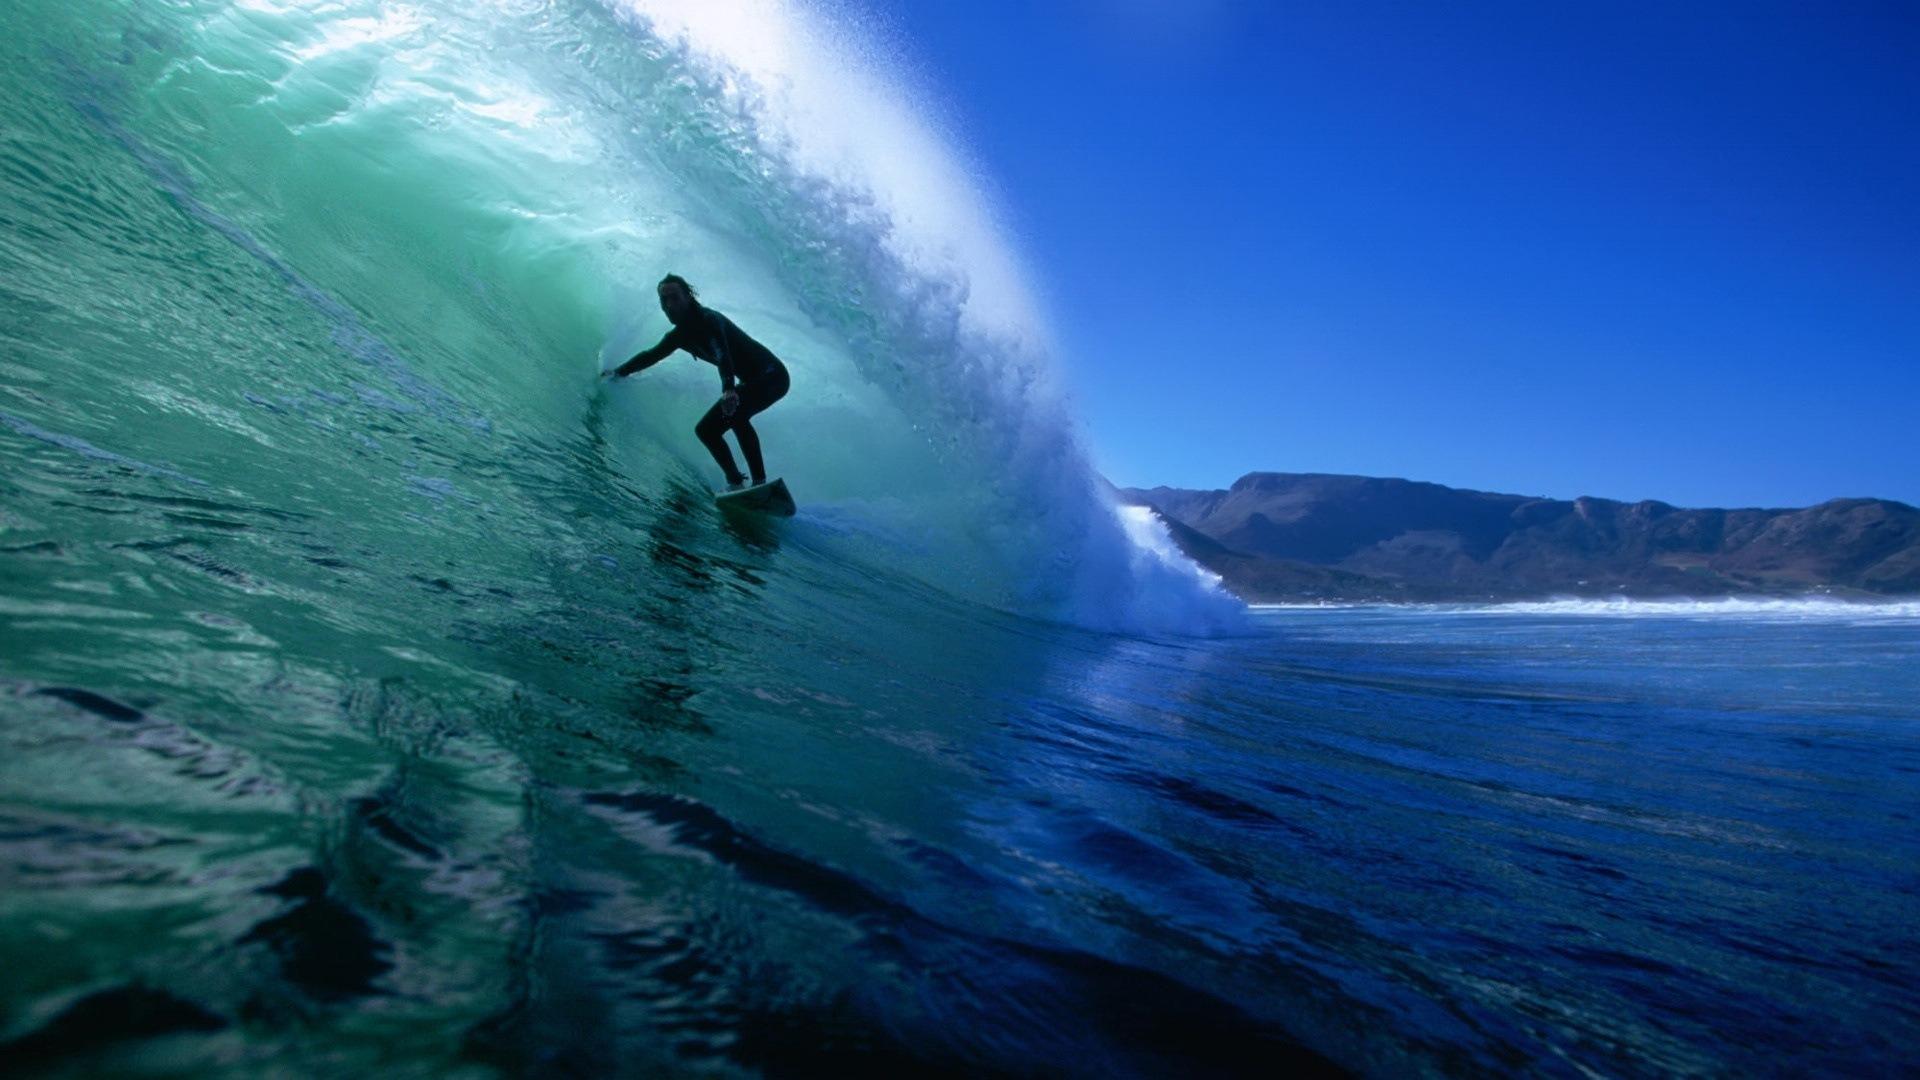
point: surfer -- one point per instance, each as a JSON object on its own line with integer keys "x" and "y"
{"x": 751, "y": 377}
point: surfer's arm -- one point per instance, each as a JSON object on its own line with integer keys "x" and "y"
{"x": 646, "y": 358}
{"x": 722, "y": 353}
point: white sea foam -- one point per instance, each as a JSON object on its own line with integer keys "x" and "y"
{"x": 1821, "y": 608}
{"x": 1737, "y": 607}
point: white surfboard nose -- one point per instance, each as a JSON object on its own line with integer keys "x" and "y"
{"x": 771, "y": 497}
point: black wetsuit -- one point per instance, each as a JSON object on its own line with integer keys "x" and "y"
{"x": 762, "y": 380}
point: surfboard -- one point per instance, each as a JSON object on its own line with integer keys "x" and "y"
{"x": 771, "y": 497}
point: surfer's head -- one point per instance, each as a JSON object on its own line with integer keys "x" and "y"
{"x": 677, "y": 298}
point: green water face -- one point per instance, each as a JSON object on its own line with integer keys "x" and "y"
{"x": 348, "y": 248}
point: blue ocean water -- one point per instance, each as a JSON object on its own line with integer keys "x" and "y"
{"x": 381, "y": 692}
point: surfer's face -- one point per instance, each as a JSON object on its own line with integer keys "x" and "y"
{"x": 675, "y": 301}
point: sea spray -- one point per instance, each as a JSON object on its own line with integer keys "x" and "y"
{"x": 942, "y": 320}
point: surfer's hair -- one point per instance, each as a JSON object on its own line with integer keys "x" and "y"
{"x": 676, "y": 279}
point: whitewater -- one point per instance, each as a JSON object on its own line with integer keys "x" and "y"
{"x": 382, "y": 691}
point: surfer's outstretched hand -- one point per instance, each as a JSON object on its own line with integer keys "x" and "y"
{"x": 610, "y": 373}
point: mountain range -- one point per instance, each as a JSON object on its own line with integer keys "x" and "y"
{"x": 1303, "y": 536}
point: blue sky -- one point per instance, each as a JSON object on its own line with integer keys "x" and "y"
{"x": 1636, "y": 251}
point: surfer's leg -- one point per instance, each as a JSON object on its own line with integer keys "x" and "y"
{"x": 755, "y": 400}
{"x": 708, "y": 431}
{"x": 750, "y": 447}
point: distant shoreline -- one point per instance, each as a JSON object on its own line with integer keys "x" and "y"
{"x": 1291, "y": 538}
